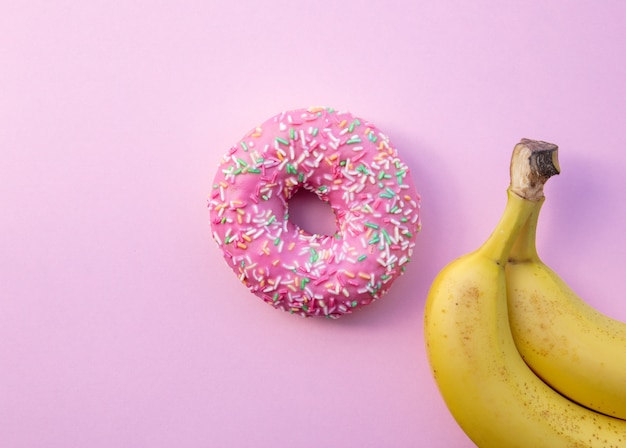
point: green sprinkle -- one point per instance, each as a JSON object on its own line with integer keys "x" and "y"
{"x": 385, "y": 277}
{"x": 241, "y": 162}
{"x": 351, "y": 127}
{"x": 362, "y": 257}
{"x": 282, "y": 140}
{"x": 275, "y": 297}
{"x": 386, "y": 235}
{"x": 408, "y": 234}
{"x": 244, "y": 146}
{"x": 404, "y": 219}
{"x": 353, "y": 140}
{"x": 315, "y": 131}
{"x": 238, "y": 171}
{"x": 314, "y": 256}
{"x": 305, "y": 308}
{"x": 277, "y": 241}
{"x": 342, "y": 163}
{"x": 372, "y": 137}
{"x": 381, "y": 175}
{"x": 271, "y": 220}
{"x": 303, "y": 282}
{"x": 394, "y": 209}
{"x": 300, "y": 177}
{"x": 322, "y": 189}
{"x": 354, "y": 303}
{"x": 243, "y": 263}
{"x": 371, "y": 225}
{"x": 215, "y": 186}
{"x": 375, "y": 239}
{"x": 291, "y": 169}
{"x": 254, "y": 170}
{"x": 292, "y": 133}
{"x": 264, "y": 197}
{"x": 223, "y": 221}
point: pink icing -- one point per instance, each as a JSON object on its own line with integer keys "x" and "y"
{"x": 348, "y": 163}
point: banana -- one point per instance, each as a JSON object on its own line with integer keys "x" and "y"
{"x": 493, "y": 395}
{"x": 574, "y": 348}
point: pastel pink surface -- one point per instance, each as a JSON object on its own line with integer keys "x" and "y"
{"x": 120, "y": 324}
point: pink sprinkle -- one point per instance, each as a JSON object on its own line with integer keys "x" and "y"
{"x": 340, "y": 280}
{"x": 320, "y": 280}
{"x": 358, "y": 156}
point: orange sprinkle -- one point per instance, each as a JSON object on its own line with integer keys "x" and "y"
{"x": 275, "y": 262}
{"x": 349, "y": 274}
{"x": 246, "y": 237}
{"x": 364, "y": 275}
{"x": 223, "y": 184}
{"x": 241, "y": 245}
{"x": 291, "y": 245}
{"x": 343, "y": 124}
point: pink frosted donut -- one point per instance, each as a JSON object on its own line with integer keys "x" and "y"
{"x": 348, "y": 163}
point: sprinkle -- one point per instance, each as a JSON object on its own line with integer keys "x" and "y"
{"x": 282, "y": 140}
{"x": 353, "y": 140}
{"x": 362, "y": 257}
{"x": 371, "y": 225}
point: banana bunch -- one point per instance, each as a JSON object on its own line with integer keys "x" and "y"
{"x": 493, "y": 329}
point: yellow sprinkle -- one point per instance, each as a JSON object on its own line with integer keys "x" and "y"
{"x": 349, "y": 274}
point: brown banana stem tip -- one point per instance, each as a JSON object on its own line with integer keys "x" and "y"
{"x": 533, "y": 162}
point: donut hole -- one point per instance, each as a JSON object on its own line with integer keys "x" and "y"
{"x": 311, "y": 214}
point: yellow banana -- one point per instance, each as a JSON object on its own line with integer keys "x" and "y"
{"x": 574, "y": 348}
{"x": 491, "y": 392}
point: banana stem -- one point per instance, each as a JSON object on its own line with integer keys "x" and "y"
{"x": 525, "y": 248}
{"x": 533, "y": 162}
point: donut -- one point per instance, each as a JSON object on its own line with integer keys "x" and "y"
{"x": 349, "y": 164}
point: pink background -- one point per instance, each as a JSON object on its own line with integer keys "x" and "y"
{"x": 120, "y": 324}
